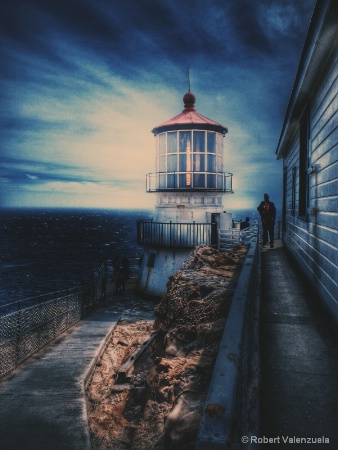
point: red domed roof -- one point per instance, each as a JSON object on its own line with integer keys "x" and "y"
{"x": 189, "y": 119}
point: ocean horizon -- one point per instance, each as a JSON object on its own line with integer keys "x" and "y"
{"x": 45, "y": 250}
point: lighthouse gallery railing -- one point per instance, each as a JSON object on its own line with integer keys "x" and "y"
{"x": 177, "y": 235}
{"x": 187, "y": 181}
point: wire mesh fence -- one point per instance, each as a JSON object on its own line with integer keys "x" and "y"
{"x": 26, "y": 327}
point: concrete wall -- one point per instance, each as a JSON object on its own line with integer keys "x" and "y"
{"x": 225, "y": 418}
{"x": 195, "y": 201}
{"x": 157, "y": 265}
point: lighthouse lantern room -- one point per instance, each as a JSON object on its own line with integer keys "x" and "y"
{"x": 190, "y": 183}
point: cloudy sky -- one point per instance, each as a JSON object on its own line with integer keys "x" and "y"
{"x": 83, "y": 82}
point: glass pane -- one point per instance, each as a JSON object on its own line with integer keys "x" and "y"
{"x": 211, "y": 180}
{"x": 171, "y": 181}
{"x": 172, "y": 163}
{"x": 211, "y": 163}
{"x": 219, "y": 182}
{"x": 199, "y": 144}
{"x": 211, "y": 142}
{"x": 172, "y": 141}
{"x": 183, "y": 163}
{"x": 162, "y": 181}
{"x": 219, "y": 143}
{"x": 183, "y": 181}
{"x": 219, "y": 164}
{"x": 162, "y": 140}
{"x": 185, "y": 141}
{"x": 199, "y": 165}
{"x": 162, "y": 164}
{"x": 199, "y": 181}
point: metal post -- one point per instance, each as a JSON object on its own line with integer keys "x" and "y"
{"x": 18, "y": 334}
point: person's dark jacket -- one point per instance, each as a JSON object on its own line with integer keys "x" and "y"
{"x": 268, "y": 215}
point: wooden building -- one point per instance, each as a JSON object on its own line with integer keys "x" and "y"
{"x": 309, "y": 147}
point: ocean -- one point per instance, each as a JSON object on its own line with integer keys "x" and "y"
{"x": 48, "y": 250}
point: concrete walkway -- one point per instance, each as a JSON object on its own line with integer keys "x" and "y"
{"x": 299, "y": 357}
{"x": 42, "y": 403}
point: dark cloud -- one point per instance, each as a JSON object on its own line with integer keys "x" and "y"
{"x": 35, "y": 171}
{"x": 244, "y": 17}
{"x": 133, "y": 32}
{"x": 60, "y": 54}
{"x": 18, "y": 170}
{"x": 17, "y": 125}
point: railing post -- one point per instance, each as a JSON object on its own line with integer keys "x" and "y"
{"x": 39, "y": 320}
{"x": 18, "y": 334}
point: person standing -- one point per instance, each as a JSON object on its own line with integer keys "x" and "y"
{"x": 245, "y": 224}
{"x": 124, "y": 273}
{"x": 267, "y": 211}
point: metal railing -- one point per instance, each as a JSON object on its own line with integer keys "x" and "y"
{"x": 176, "y": 235}
{"x": 187, "y": 181}
{"x": 28, "y": 325}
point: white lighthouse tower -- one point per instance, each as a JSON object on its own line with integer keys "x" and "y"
{"x": 189, "y": 182}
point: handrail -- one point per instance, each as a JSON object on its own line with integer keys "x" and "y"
{"x": 36, "y": 299}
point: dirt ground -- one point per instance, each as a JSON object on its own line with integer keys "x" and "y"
{"x": 148, "y": 390}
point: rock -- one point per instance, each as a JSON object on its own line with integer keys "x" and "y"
{"x": 185, "y": 430}
{"x": 191, "y": 317}
{"x": 161, "y": 406}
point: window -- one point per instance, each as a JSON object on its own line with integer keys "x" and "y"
{"x": 293, "y": 190}
{"x": 211, "y": 163}
{"x": 171, "y": 165}
{"x": 172, "y": 142}
{"x": 199, "y": 165}
{"x": 183, "y": 163}
{"x": 211, "y": 142}
{"x": 199, "y": 137}
{"x": 211, "y": 181}
{"x": 219, "y": 144}
{"x": 162, "y": 164}
{"x": 162, "y": 140}
{"x": 303, "y": 163}
{"x": 185, "y": 141}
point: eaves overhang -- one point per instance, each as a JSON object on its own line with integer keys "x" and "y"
{"x": 189, "y": 119}
{"x": 190, "y": 126}
{"x": 320, "y": 44}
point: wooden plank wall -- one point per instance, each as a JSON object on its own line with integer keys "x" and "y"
{"x": 314, "y": 240}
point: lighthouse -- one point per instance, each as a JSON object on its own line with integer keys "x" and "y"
{"x": 189, "y": 182}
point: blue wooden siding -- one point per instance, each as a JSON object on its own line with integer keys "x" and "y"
{"x": 314, "y": 241}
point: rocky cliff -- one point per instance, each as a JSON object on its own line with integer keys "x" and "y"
{"x": 164, "y": 409}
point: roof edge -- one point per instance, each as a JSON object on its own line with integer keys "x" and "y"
{"x": 190, "y": 126}
{"x": 316, "y": 48}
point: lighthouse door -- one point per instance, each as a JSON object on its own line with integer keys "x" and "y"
{"x": 215, "y": 222}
